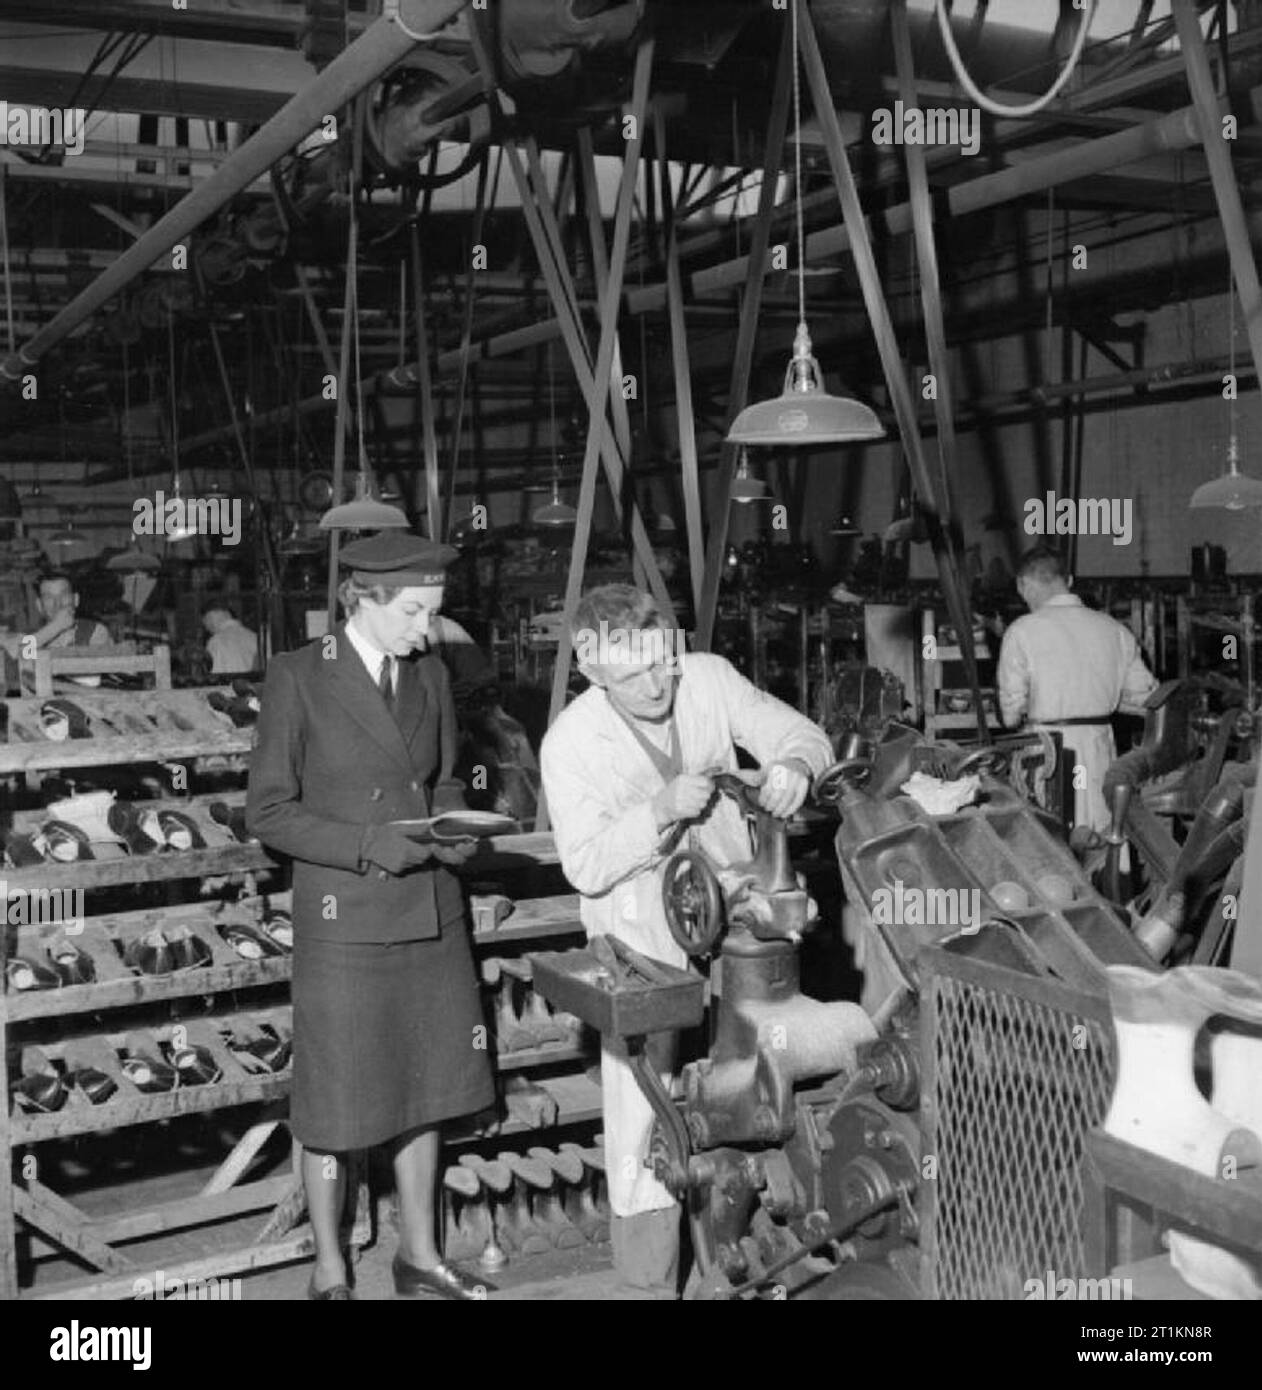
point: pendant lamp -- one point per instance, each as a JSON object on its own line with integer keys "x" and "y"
{"x": 1234, "y": 490}
{"x": 804, "y": 414}
{"x": 745, "y": 487}
{"x": 133, "y": 560}
{"x": 554, "y": 513}
{"x": 365, "y": 511}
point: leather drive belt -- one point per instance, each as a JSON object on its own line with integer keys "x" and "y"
{"x": 1081, "y": 720}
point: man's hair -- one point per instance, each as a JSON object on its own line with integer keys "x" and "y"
{"x": 218, "y": 605}
{"x": 1042, "y": 564}
{"x": 619, "y": 606}
{"x": 350, "y": 591}
{"x": 56, "y": 577}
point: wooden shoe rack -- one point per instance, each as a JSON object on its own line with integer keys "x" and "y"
{"x": 546, "y": 1086}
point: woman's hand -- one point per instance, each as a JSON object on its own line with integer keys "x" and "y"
{"x": 390, "y": 849}
{"x": 457, "y": 852}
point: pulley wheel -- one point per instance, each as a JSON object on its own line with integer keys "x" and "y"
{"x": 693, "y": 903}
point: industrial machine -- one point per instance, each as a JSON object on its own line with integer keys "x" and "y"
{"x": 795, "y": 1145}
{"x": 795, "y": 1150}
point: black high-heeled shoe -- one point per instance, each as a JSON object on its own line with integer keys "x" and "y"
{"x": 196, "y": 1065}
{"x": 248, "y": 942}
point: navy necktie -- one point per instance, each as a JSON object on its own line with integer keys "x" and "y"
{"x": 386, "y": 683}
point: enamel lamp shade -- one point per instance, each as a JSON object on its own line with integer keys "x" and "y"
{"x": 1234, "y": 490}
{"x": 804, "y": 414}
{"x": 364, "y": 512}
{"x": 555, "y": 512}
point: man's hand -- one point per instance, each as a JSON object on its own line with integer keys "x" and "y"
{"x": 782, "y": 787}
{"x": 391, "y": 850}
{"x": 683, "y": 799}
{"x": 61, "y": 621}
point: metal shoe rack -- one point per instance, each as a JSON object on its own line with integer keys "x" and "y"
{"x": 498, "y": 1199}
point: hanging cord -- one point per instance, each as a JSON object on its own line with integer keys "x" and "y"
{"x": 996, "y": 108}
{"x": 4, "y": 243}
{"x": 1232, "y": 448}
{"x": 797, "y": 167}
{"x": 175, "y": 404}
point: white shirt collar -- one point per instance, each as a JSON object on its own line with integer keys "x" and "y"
{"x": 371, "y": 656}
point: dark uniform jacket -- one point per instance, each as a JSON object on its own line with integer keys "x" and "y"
{"x": 331, "y": 760}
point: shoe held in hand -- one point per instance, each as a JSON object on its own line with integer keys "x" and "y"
{"x": 392, "y": 851}
{"x": 460, "y": 852}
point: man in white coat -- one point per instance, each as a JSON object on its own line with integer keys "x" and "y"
{"x": 1067, "y": 668}
{"x": 627, "y": 770}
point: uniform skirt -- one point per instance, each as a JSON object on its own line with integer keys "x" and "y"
{"x": 388, "y": 1036}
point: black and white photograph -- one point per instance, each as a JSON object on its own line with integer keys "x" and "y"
{"x": 631, "y": 665}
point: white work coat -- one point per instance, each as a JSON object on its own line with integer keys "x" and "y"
{"x": 1066, "y": 661}
{"x": 600, "y": 784}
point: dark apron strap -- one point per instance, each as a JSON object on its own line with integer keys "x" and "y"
{"x": 669, "y": 764}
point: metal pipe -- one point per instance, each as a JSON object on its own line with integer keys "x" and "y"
{"x": 1166, "y": 134}
{"x": 387, "y": 41}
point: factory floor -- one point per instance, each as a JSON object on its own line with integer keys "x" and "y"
{"x": 581, "y": 1274}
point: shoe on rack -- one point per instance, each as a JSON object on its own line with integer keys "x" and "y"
{"x": 66, "y": 843}
{"x": 249, "y": 942}
{"x": 40, "y": 1086}
{"x": 196, "y": 1065}
{"x": 137, "y": 829}
{"x": 23, "y": 851}
{"x": 24, "y": 974}
{"x": 63, "y": 719}
{"x": 180, "y": 832}
{"x": 73, "y": 966}
{"x": 232, "y": 818}
{"x": 145, "y": 1068}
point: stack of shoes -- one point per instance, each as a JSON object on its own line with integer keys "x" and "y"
{"x": 510, "y": 1034}
{"x": 250, "y": 942}
{"x": 166, "y": 949}
{"x": 62, "y": 719}
{"x": 242, "y": 706}
{"x": 73, "y": 966}
{"x": 232, "y": 818}
{"x": 278, "y": 927}
{"x": 146, "y": 1068}
{"x": 63, "y": 843}
{"x": 86, "y": 1071}
{"x": 259, "y": 1050}
{"x": 24, "y": 973}
{"x": 146, "y": 831}
{"x": 40, "y": 1086}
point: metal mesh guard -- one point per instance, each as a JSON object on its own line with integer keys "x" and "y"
{"x": 1013, "y": 1084}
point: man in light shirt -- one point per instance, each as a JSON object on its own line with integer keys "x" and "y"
{"x": 627, "y": 773}
{"x": 233, "y": 649}
{"x": 1066, "y": 668}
